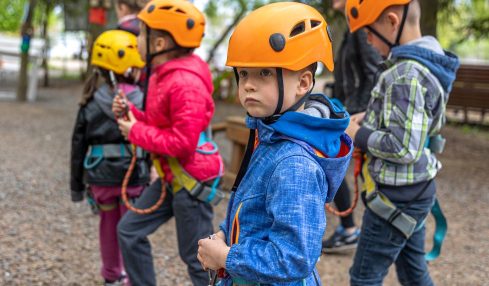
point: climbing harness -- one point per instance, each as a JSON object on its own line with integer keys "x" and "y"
{"x": 208, "y": 191}
{"x": 380, "y": 205}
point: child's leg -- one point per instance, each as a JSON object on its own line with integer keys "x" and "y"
{"x": 342, "y": 201}
{"x": 132, "y": 192}
{"x": 107, "y": 198}
{"x": 381, "y": 244}
{"x": 193, "y": 221}
{"x": 411, "y": 265}
{"x": 133, "y": 231}
{"x": 377, "y": 249}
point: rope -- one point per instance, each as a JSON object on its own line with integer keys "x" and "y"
{"x": 125, "y": 183}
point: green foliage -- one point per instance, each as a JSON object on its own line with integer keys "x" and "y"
{"x": 464, "y": 28}
{"x": 11, "y": 14}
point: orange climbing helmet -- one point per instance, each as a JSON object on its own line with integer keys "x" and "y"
{"x": 361, "y": 13}
{"x": 180, "y": 18}
{"x": 287, "y": 35}
{"x": 116, "y": 50}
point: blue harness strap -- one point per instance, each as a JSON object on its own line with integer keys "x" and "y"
{"x": 440, "y": 232}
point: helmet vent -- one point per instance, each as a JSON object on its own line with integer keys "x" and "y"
{"x": 166, "y": 7}
{"x": 298, "y": 29}
{"x": 315, "y": 23}
{"x": 180, "y": 11}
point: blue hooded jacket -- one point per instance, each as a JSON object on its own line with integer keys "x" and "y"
{"x": 277, "y": 213}
{"x": 428, "y": 52}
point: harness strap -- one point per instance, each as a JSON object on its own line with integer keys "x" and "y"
{"x": 440, "y": 232}
{"x": 97, "y": 153}
{"x": 380, "y": 205}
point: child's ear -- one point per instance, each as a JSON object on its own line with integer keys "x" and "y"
{"x": 393, "y": 21}
{"x": 160, "y": 44}
{"x": 305, "y": 82}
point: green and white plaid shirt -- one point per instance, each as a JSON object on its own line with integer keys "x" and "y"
{"x": 407, "y": 106}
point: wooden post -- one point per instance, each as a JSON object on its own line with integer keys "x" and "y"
{"x": 237, "y": 132}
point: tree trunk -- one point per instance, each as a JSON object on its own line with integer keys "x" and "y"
{"x": 26, "y": 31}
{"x": 429, "y": 12}
{"x": 45, "y": 36}
{"x": 226, "y": 32}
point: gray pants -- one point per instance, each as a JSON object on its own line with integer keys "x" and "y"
{"x": 193, "y": 222}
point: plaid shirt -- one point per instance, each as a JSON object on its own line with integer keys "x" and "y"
{"x": 407, "y": 106}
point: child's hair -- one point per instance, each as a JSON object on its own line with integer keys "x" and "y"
{"x": 97, "y": 78}
{"x": 134, "y": 5}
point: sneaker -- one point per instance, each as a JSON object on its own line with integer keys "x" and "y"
{"x": 122, "y": 281}
{"x": 341, "y": 241}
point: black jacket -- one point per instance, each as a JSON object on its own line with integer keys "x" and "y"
{"x": 355, "y": 69}
{"x": 96, "y": 125}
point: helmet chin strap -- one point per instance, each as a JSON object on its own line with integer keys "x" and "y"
{"x": 149, "y": 59}
{"x": 399, "y": 33}
{"x": 280, "y": 81}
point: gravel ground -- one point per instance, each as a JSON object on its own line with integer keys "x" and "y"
{"x": 47, "y": 240}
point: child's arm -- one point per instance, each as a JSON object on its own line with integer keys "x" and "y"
{"x": 139, "y": 114}
{"x": 189, "y": 113}
{"x": 295, "y": 200}
{"x": 79, "y": 148}
{"x": 402, "y": 138}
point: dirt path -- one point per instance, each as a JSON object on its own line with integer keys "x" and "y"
{"x": 47, "y": 240}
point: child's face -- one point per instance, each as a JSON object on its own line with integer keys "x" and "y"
{"x": 387, "y": 25}
{"x": 339, "y": 5}
{"x": 157, "y": 44}
{"x": 258, "y": 89}
{"x": 121, "y": 10}
{"x": 142, "y": 40}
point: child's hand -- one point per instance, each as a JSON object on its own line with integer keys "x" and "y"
{"x": 352, "y": 129}
{"x": 213, "y": 253}
{"x": 126, "y": 125}
{"x": 357, "y": 117}
{"x": 118, "y": 105}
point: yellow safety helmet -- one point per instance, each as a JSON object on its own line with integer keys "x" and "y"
{"x": 287, "y": 35}
{"x": 117, "y": 51}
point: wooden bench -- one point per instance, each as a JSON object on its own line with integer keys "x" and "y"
{"x": 10, "y": 59}
{"x": 471, "y": 90}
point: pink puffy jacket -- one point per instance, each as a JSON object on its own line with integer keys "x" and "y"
{"x": 179, "y": 107}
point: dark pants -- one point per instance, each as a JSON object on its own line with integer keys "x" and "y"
{"x": 193, "y": 222}
{"x": 381, "y": 244}
{"x": 343, "y": 202}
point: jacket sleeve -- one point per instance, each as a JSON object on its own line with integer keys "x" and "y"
{"x": 369, "y": 63}
{"x": 79, "y": 148}
{"x": 189, "y": 114}
{"x": 295, "y": 200}
{"x": 401, "y": 140}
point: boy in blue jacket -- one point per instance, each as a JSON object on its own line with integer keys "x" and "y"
{"x": 296, "y": 157}
{"x": 399, "y": 135}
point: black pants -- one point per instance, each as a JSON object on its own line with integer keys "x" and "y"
{"x": 193, "y": 222}
{"x": 342, "y": 201}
